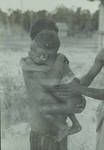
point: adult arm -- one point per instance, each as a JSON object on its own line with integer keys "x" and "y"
{"x": 95, "y": 69}
{"x": 92, "y": 92}
{"x": 92, "y": 73}
{"x": 63, "y": 91}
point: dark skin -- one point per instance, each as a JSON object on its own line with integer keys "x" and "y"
{"x": 52, "y": 109}
{"x": 61, "y": 108}
{"x": 63, "y": 91}
{"x": 75, "y": 98}
{"x": 60, "y": 71}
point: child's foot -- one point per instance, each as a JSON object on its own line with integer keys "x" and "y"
{"x": 74, "y": 129}
{"x": 68, "y": 131}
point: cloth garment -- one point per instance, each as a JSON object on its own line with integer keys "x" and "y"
{"x": 42, "y": 142}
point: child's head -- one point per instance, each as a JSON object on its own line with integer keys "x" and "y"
{"x": 44, "y": 46}
{"x": 42, "y": 24}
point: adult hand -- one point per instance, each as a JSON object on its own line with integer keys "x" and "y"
{"x": 100, "y": 58}
{"x": 64, "y": 91}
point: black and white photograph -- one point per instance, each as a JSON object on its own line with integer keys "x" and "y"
{"x": 52, "y": 74}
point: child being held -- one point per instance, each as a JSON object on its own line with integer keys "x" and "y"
{"x": 45, "y": 66}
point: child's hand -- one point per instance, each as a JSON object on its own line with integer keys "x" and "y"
{"x": 100, "y": 58}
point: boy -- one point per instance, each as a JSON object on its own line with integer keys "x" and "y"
{"x": 40, "y": 68}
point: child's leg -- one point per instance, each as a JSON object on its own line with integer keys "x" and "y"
{"x": 55, "y": 120}
{"x": 62, "y": 129}
{"x": 76, "y": 127}
{"x": 69, "y": 131}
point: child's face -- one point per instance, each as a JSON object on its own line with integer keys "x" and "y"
{"x": 41, "y": 55}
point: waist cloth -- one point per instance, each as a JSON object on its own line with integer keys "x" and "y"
{"x": 42, "y": 142}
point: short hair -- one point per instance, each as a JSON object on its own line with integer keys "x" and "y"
{"x": 42, "y": 24}
{"x": 48, "y": 39}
